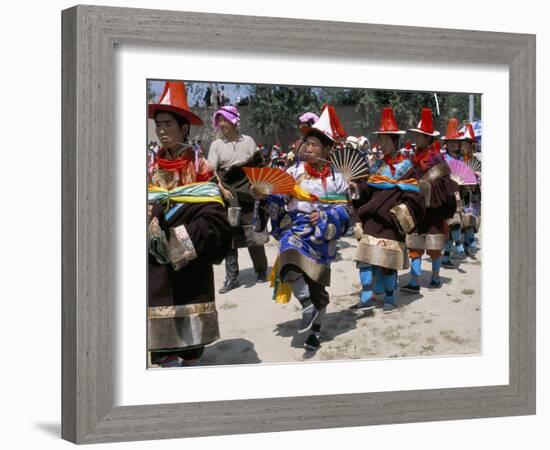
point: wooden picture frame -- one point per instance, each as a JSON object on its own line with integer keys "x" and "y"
{"x": 89, "y": 35}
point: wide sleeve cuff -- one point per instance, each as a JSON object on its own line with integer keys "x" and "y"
{"x": 402, "y": 218}
{"x": 180, "y": 248}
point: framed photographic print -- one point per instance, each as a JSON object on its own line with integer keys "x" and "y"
{"x": 174, "y": 137}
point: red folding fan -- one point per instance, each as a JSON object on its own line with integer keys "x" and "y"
{"x": 267, "y": 180}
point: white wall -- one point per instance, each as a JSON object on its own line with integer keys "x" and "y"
{"x": 30, "y": 225}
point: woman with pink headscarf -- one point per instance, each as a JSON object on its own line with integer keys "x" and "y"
{"x": 227, "y": 155}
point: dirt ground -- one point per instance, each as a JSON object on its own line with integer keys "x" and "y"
{"x": 254, "y": 329}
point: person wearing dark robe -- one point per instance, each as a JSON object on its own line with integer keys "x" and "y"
{"x": 432, "y": 173}
{"x": 389, "y": 205}
{"x": 453, "y": 139}
{"x": 188, "y": 231}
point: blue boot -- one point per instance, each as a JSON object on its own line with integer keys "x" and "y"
{"x": 446, "y": 260}
{"x": 389, "y": 284}
{"x": 435, "y": 282}
{"x": 456, "y": 236}
{"x": 365, "y": 300}
{"x": 416, "y": 271}
{"x": 470, "y": 240}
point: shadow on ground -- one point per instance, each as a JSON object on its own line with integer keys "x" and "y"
{"x": 247, "y": 277}
{"x": 230, "y": 351}
{"x": 335, "y": 324}
{"x": 406, "y": 298}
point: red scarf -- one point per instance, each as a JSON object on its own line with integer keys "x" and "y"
{"x": 186, "y": 168}
{"x": 395, "y": 160}
{"x": 172, "y": 165}
{"x": 322, "y": 174}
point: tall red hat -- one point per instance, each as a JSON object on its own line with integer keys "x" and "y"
{"x": 452, "y": 133}
{"x": 426, "y": 124}
{"x": 174, "y": 99}
{"x": 328, "y": 125}
{"x": 468, "y": 133}
{"x": 388, "y": 124}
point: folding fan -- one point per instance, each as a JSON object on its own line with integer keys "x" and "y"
{"x": 474, "y": 164}
{"x": 267, "y": 180}
{"x": 461, "y": 173}
{"x": 351, "y": 163}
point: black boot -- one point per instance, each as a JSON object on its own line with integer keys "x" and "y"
{"x": 228, "y": 286}
{"x": 309, "y": 314}
{"x": 312, "y": 341}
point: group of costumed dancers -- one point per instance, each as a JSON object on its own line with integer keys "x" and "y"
{"x": 200, "y": 211}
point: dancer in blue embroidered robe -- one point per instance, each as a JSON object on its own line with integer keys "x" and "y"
{"x": 308, "y": 228}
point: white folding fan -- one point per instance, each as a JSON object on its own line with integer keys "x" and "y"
{"x": 350, "y": 162}
{"x": 474, "y": 164}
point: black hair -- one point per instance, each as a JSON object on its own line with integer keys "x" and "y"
{"x": 179, "y": 119}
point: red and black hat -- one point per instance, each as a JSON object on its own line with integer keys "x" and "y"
{"x": 174, "y": 100}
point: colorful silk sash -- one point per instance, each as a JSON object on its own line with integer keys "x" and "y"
{"x": 304, "y": 196}
{"x": 382, "y": 182}
{"x": 203, "y": 192}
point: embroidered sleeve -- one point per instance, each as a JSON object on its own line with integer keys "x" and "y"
{"x": 409, "y": 212}
{"x": 332, "y": 223}
{"x": 180, "y": 248}
{"x": 402, "y": 218}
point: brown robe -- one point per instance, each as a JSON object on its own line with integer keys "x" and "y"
{"x": 439, "y": 193}
{"x": 383, "y": 240}
{"x": 181, "y": 310}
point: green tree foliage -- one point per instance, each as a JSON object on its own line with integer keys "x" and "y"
{"x": 150, "y": 93}
{"x": 274, "y": 110}
{"x": 270, "y": 112}
{"x": 406, "y": 105}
